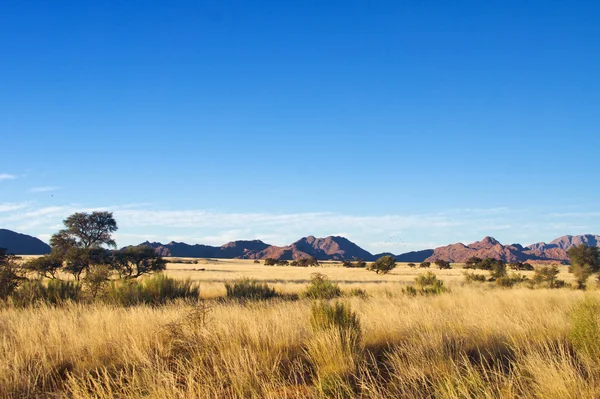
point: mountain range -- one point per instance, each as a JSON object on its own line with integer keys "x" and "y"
{"x": 336, "y": 248}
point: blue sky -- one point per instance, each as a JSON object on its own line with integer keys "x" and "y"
{"x": 401, "y": 125}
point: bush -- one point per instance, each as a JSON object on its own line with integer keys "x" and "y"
{"x": 472, "y": 263}
{"x": 473, "y": 277}
{"x": 425, "y": 265}
{"x": 546, "y": 276}
{"x": 270, "y": 262}
{"x": 247, "y": 289}
{"x": 359, "y": 292}
{"x": 383, "y": 265}
{"x": 282, "y": 262}
{"x": 155, "y": 290}
{"x": 324, "y": 316}
{"x": 519, "y": 266}
{"x": 585, "y": 328}
{"x": 55, "y": 292}
{"x": 497, "y": 268}
{"x": 426, "y": 284}
{"x": 412, "y": 265}
{"x": 358, "y": 263}
{"x": 321, "y": 288}
{"x": 442, "y": 264}
{"x": 10, "y": 275}
{"x": 509, "y": 281}
{"x": 257, "y": 261}
{"x": 96, "y": 279}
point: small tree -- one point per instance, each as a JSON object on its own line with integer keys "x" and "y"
{"x": 412, "y": 265}
{"x": 472, "y": 263}
{"x": 425, "y": 265}
{"x": 547, "y": 276}
{"x": 133, "y": 262}
{"x": 383, "y": 265}
{"x": 10, "y": 275}
{"x": 584, "y": 262}
{"x": 46, "y": 266}
{"x": 442, "y": 264}
{"x": 270, "y": 262}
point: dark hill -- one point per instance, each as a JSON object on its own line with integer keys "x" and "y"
{"x": 22, "y": 244}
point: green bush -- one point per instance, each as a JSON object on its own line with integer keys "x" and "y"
{"x": 247, "y": 289}
{"x": 426, "y": 284}
{"x": 321, "y": 288}
{"x": 325, "y": 316}
{"x": 509, "y": 281}
{"x": 383, "y": 265}
{"x": 155, "y": 290}
{"x": 55, "y": 292}
{"x": 585, "y": 328}
{"x": 546, "y": 276}
{"x": 473, "y": 277}
{"x": 442, "y": 264}
{"x": 359, "y": 292}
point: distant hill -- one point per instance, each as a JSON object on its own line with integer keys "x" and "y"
{"x": 328, "y": 248}
{"x": 234, "y": 249}
{"x": 22, "y": 244}
{"x": 415, "y": 256}
{"x": 489, "y": 247}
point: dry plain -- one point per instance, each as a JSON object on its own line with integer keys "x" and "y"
{"x": 475, "y": 341}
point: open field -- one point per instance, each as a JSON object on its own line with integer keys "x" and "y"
{"x": 294, "y": 279}
{"x": 474, "y": 341}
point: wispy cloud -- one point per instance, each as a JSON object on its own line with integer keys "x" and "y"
{"x": 6, "y": 176}
{"x": 8, "y": 207}
{"x": 43, "y": 189}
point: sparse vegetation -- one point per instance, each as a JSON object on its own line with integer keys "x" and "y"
{"x": 247, "y": 289}
{"x": 383, "y": 265}
{"x": 356, "y": 263}
{"x": 425, "y": 265}
{"x": 442, "y": 264}
{"x": 321, "y": 288}
{"x": 584, "y": 262}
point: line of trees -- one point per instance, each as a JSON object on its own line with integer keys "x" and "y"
{"x": 86, "y": 250}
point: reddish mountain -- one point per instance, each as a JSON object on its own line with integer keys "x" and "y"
{"x": 331, "y": 247}
{"x": 491, "y": 248}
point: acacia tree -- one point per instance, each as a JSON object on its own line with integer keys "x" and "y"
{"x": 584, "y": 262}
{"x": 383, "y": 265}
{"x": 132, "y": 262}
{"x": 81, "y": 243}
{"x": 46, "y": 266}
{"x": 442, "y": 264}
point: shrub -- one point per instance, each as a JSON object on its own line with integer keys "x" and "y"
{"x": 546, "y": 276}
{"x": 247, "y": 289}
{"x": 324, "y": 316}
{"x": 55, "y": 292}
{"x": 96, "y": 279}
{"x": 358, "y": 263}
{"x": 10, "y": 275}
{"x": 584, "y": 262}
{"x": 359, "y": 292}
{"x": 383, "y": 265}
{"x": 155, "y": 290}
{"x": 518, "y": 266}
{"x": 412, "y": 265}
{"x": 585, "y": 328}
{"x": 425, "y": 265}
{"x": 442, "y": 264}
{"x": 256, "y": 261}
{"x": 473, "y": 277}
{"x": 282, "y": 262}
{"x": 426, "y": 284}
{"x": 497, "y": 268}
{"x": 472, "y": 263}
{"x": 321, "y": 288}
{"x": 509, "y": 281}
{"x": 270, "y": 262}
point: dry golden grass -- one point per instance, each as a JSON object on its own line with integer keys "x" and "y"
{"x": 476, "y": 341}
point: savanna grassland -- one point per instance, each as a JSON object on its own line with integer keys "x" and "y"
{"x": 374, "y": 340}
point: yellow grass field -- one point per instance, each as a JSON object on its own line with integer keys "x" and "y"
{"x": 476, "y": 341}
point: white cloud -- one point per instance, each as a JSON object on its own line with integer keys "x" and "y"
{"x": 43, "y": 189}
{"x": 6, "y": 176}
{"x": 8, "y": 207}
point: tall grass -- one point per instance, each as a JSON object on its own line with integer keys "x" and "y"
{"x": 475, "y": 342}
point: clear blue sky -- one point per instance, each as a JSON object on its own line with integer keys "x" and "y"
{"x": 400, "y": 124}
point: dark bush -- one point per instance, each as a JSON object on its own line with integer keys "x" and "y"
{"x": 425, "y": 265}
{"x": 321, "y": 288}
{"x": 442, "y": 264}
{"x": 383, "y": 265}
{"x": 248, "y": 289}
